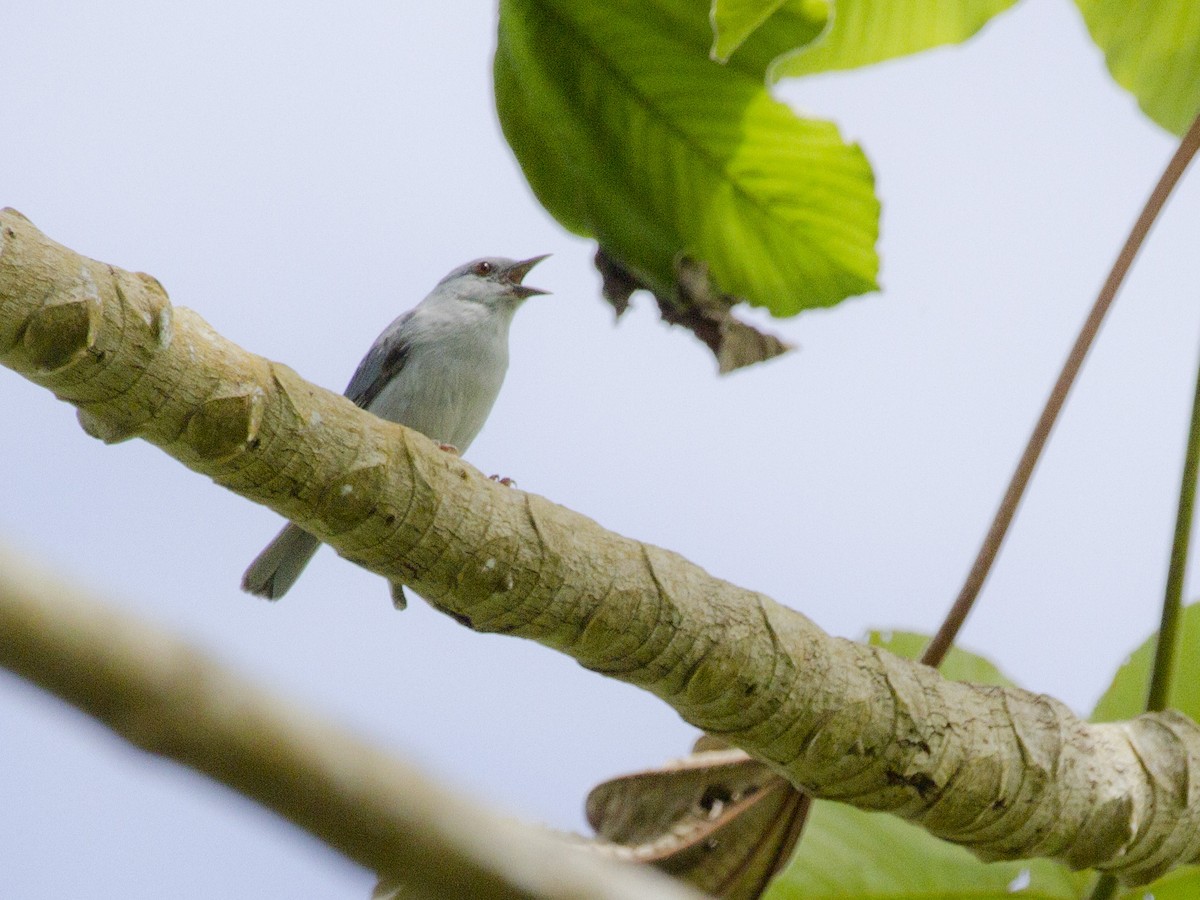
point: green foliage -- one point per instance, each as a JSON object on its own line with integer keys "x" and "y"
{"x": 628, "y": 133}
{"x": 1126, "y": 696}
{"x": 1152, "y": 48}
{"x": 848, "y": 853}
{"x": 859, "y": 32}
{"x": 736, "y": 27}
{"x": 733, "y": 21}
{"x": 1182, "y": 884}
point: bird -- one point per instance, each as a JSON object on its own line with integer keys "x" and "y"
{"x": 436, "y": 369}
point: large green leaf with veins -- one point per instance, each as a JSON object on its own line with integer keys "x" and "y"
{"x": 1152, "y": 48}
{"x": 628, "y": 133}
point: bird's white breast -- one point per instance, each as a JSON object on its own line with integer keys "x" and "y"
{"x": 451, "y": 375}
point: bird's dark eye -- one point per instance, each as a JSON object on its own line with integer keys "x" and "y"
{"x": 483, "y": 267}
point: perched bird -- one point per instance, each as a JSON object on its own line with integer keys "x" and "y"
{"x": 437, "y": 369}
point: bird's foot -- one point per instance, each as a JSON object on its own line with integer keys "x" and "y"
{"x": 506, "y": 481}
{"x": 449, "y": 448}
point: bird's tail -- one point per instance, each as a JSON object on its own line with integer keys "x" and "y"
{"x": 276, "y": 569}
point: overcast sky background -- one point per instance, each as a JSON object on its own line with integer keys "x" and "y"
{"x": 300, "y": 174}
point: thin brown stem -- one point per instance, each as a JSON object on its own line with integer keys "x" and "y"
{"x": 938, "y": 647}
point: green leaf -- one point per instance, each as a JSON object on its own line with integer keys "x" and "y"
{"x": 848, "y": 853}
{"x": 1126, "y": 696}
{"x": 794, "y": 23}
{"x": 959, "y": 665}
{"x": 733, "y": 21}
{"x": 628, "y": 133}
{"x": 1152, "y": 48}
{"x": 1182, "y": 884}
{"x": 861, "y": 32}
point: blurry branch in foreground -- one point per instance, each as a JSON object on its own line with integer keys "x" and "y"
{"x": 1004, "y": 772}
{"x": 169, "y": 699}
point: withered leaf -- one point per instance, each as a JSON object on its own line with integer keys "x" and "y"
{"x": 718, "y": 820}
{"x": 695, "y": 303}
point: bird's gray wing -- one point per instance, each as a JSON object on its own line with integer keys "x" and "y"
{"x": 382, "y": 363}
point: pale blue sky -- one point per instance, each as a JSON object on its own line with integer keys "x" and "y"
{"x": 300, "y": 175}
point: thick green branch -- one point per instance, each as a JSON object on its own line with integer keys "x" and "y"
{"x": 1007, "y": 773}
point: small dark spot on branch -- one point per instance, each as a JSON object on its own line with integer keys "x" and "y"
{"x": 919, "y": 745}
{"x": 918, "y": 781}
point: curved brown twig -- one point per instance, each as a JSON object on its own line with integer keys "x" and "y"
{"x": 958, "y": 613}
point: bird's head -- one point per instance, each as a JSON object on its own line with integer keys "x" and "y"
{"x": 493, "y": 281}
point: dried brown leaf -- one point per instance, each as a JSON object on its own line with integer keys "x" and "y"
{"x": 696, "y": 304}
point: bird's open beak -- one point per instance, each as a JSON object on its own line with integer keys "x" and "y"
{"x": 517, "y": 271}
